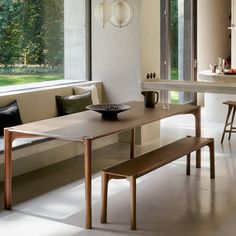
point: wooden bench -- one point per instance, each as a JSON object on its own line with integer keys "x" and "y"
{"x": 141, "y": 165}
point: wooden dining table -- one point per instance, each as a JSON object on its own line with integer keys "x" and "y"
{"x": 85, "y": 127}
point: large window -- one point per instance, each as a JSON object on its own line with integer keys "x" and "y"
{"x": 40, "y": 38}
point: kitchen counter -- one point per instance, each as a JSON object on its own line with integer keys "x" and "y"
{"x": 208, "y": 76}
{"x": 217, "y": 88}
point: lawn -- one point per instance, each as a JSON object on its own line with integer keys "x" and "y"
{"x": 26, "y": 79}
{"x": 174, "y": 74}
{"x": 174, "y": 94}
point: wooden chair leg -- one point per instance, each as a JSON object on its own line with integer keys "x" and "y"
{"x": 212, "y": 159}
{"x": 105, "y": 179}
{"x": 231, "y": 123}
{"x": 188, "y": 164}
{"x": 133, "y": 202}
{"x": 226, "y": 122}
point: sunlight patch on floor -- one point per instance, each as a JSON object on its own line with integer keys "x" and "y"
{"x": 23, "y": 225}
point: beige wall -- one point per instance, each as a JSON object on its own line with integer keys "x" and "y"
{"x": 150, "y": 37}
{"x": 213, "y": 42}
{"x": 234, "y": 42}
{"x": 213, "y": 35}
{"x": 150, "y": 55}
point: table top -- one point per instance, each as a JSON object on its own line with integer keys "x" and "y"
{"x": 90, "y": 125}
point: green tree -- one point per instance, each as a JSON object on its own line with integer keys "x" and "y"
{"x": 10, "y": 31}
{"x": 54, "y": 37}
{"x": 174, "y": 32}
{"x": 31, "y": 31}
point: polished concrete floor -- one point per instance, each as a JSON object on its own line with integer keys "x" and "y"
{"x": 50, "y": 201}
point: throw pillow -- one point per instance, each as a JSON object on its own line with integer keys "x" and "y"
{"x": 73, "y": 103}
{"x": 9, "y": 116}
{"x": 84, "y": 89}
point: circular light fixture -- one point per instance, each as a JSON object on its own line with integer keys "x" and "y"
{"x": 122, "y": 13}
{"x": 102, "y": 12}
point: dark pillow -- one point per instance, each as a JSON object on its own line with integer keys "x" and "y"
{"x": 73, "y": 103}
{"x": 9, "y": 116}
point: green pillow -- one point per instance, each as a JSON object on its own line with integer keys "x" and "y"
{"x": 73, "y": 103}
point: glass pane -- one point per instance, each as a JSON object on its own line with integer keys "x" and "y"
{"x": 42, "y": 40}
{"x": 31, "y": 41}
{"x": 181, "y": 46}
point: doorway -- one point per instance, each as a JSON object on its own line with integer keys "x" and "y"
{"x": 178, "y": 45}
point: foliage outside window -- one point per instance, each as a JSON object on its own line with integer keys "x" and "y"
{"x": 31, "y": 41}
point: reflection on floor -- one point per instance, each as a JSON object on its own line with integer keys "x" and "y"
{"x": 50, "y": 201}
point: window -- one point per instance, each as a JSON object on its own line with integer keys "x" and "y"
{"x": 178, "y": 41}
{"x": 42, "y": 40}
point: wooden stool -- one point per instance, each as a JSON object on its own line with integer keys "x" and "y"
{"x": 231, "y": 106}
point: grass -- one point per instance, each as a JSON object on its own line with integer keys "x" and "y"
{"x": 174, "y": 97}
{"x": 6, "y": 80}
{"x": 174, "y": 74}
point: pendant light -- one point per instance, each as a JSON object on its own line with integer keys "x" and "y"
{"x": 119, "y": 13}
{"x": 122, "y": 13}
{"x": 102, "y": 12}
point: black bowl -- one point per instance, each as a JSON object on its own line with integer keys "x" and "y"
{"x": 109, "y": 111}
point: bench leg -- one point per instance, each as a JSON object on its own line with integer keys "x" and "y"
{"x": 105, "y": 179}
{"x": 212, "y": 160}
{"x": 133, "y": 202}
{"x": 188, "y": 164}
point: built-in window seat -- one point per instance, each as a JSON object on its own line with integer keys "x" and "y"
{"x": 37, "y": 104}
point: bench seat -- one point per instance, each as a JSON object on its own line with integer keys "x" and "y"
{"x": 143, "y": 164}
{"x": 152, "y": 160}
{"x": 37, "y": 104}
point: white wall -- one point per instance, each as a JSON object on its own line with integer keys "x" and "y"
{"x": 116, "y": 58}
{"x": 213, "y": 42}
{"x": 123, "y": 56}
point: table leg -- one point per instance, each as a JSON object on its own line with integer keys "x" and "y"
{"x": 87, "y": 143}
{"x": 7, "y": 169}
{"x": 132, "y": 143}
{"x": 197, "y": 115}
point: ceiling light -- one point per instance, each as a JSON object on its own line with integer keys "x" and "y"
{"x": 102, "y": 12}
{"x": 122, "y": 13}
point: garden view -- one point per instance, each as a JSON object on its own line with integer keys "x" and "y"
{"x": 31, "y": 41}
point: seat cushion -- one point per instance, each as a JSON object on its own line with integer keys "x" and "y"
{"x": 73, "y": 103}
{"x": 9, "y": 116}
{"x": 78, "y": 90}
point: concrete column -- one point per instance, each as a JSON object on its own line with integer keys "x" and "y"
{"x": 75, "y": 39}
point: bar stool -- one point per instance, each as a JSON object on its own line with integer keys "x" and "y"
{"x": 231, "y": 106}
